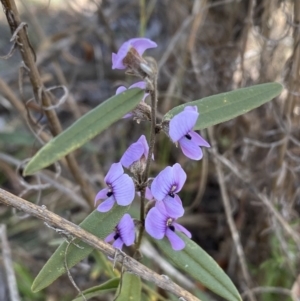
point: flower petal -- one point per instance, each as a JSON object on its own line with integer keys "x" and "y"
{"x": 182, "y": 123}
{"x": 101, "y": 195}
{"x": 124, "y": 190}
{"x": 141, "y": 85}
{"x": 176, "y": 242}
{"x": 106, "y": 205}
{"x": 115, "y": 171}
{"x": 126, "y": 229}
{"x": 156, "y": 223}
{"x": 142, "y": 44}
{"x": 162, "y": 184}
{"x": 190, "y": 149}
{"x": 191, "y": 108}
{"x": 198, "y": 139}
{"x": 118, "y": 243}
{"x": 182, "y": 229}
{"x": 110, "y": 237}
{"x": 133, "y": 153}
{"x": 173, "y": 206}
{"x": 117, "y": 59}
{"x": 144, "y": 142}
{"x": 120, "y": 90}
{"x": 179, "y": 176}
{"x": 148, "y": 195}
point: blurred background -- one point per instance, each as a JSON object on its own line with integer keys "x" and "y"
{"x": 205, "y": 47}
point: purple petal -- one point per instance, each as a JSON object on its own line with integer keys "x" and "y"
{"x": 182, "y": 229}
{"x": 176, "y": 242}
{"x": 115, "y": 171}
{"x": 190, "y": 149}
{"x": 133, "y": 153}
{"x": 142, "y": 44}
{"x": 162, "y": 184}
{"x": 101, "y": 195}
{"x": 106, "y": 205}
{"x": 179, "y": 176}
{"x": 156, "y": 223}
{"x": 118, "y": 243}
{"x": 148, "y": 195}
{"x": 182, "y": 123}
{"x": 144, "y": 142}
{"x": 124, "y": 190}
{"x": 198, "y": 139}
{"x": 173, "y": 206}
{"x": 191, "y": 108}
{"x": 126, "y": 229}
{"x": 120, "y": 90}
{"x": 141, "y": 85}
{"x": 117, "y": 59}
{"x": 128, "y": 115}
{"x": 110, "y": 237}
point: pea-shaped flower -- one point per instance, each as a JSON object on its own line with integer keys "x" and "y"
{"x": 165, "y": 186}
{"x": 123, "y": 234}
{"x": 120, "y": 189}
{"x": 181, "y": 131}
{"x": 159, "y": 223}
{"x": 130, "y": 53}
{"x": 136, "y": 155}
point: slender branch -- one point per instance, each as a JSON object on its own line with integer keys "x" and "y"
{"x": 232, "y": 226}
{"x": 128, "y": 262}
{"x": 11, "y": 278}
{"x": 39, "y": 91}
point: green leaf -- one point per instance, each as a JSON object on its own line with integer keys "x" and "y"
{"x": 108, "y": 286}
{"x": 197, "y": 263}
{"x": 130, "y": 288}
{"x": 84, "y": 129}
{"x": 225, "y": 106}
{"x": 97, "y": 223}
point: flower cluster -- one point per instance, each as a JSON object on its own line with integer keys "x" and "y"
{"x": 165, "y": 204}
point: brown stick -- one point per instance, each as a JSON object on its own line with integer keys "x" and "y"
{"x": 39, "y": 91}
{"x": 128, "y": 262}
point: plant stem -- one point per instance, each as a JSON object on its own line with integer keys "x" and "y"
{"x": 153, "y": 95}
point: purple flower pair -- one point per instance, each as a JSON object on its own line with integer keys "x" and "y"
{"x": 181, "y": 131}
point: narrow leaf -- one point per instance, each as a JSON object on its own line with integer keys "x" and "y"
{"x": 106, "y": 287}
{"x": 130, "y": 288}
{"x": 84, "y": 129}
{"x": 225, "y": 106}
{"x": 99, "y": 224}
{"x": 198, "y": 264}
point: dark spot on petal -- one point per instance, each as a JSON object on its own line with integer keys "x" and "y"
{"x": 171, "y": 227}
{"x": 171, "y": 194}
{"x": 116, "y": 236}
{"x": 187, "y": 136}
{"x": 109, "y": 193}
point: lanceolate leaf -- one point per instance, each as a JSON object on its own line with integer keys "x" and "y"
{"x": 108, "y": 286}
{"x": 84, "y": 129}
{"x": 197, "y": 263}
{"x": 130, "y": 288}
{"x": 225, "y": 106}
{"x": 99, "y": 224}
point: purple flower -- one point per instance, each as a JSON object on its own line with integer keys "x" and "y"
{"x": 137, "y": 151}
{"x": 181, "y": 131}
{"x": 141, "y": 85}
{"x": 159, "y": 224}
{"x": 120, "y": 189}
{"x": 123, "y": 234}
{"x": 165, "y": 186}
{"x": 136, "y": 46}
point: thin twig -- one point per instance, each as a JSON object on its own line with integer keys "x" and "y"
{"x": 39, "y": 91}
{"x": 11, "y": 278}
{"x": 227, "y": 207}
{"x": 128, "y": 262}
